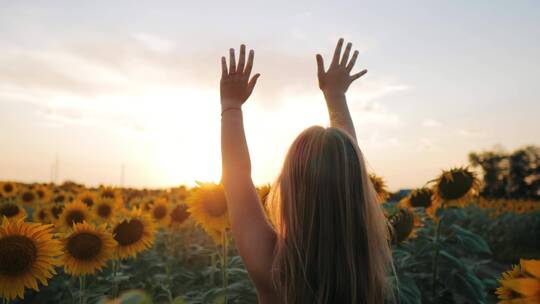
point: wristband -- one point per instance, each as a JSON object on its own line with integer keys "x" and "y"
{"x": 230, "y": 108}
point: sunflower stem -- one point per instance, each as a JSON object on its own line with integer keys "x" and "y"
{"x": 213, "y": 262}
{"x": 82, "y": 283}
{"x": 224, "y": 264}
{"x": 115, "y": 282}
{"x": 435, "y": 268}
{"x": 168, "y": 265}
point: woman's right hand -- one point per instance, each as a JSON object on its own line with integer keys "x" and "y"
{"x": 338, "y": 78}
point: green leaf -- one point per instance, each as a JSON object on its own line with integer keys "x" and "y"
{"x": 455, "y": 262}
{"x": 471, "y": 241}
{"x": 408, "y": 292}
{"x": 178, "y": 300}
{"x": 468, "y": 286}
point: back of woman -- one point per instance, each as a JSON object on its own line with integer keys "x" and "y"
{"x": 331, "y": 245}
{"x": 326, "y": 240}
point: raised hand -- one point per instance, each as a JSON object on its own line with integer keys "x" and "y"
{"x": 236, "y": 85}
{"x": 338, "y": 77}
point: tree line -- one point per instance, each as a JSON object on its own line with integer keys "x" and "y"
{"x": 514, "y": 175}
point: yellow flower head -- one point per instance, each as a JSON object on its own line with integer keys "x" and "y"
{"x": 133, "y": 233}
{"x": 178, "y": 216}
{"x": 159, "y": 212}
{"x": 455, "y": 186}
{"x": 422, "y": 197}
{"x": 27, "y": 198}
{"x": 403, "y": 223}
{"x": 89, "y": 198}
{"x": 43, "y": 193}
{"x": 86, "y": 249}
{"x": 28, "y": 254}
{"x": 55, "y": 210}
{"x": 42, "y": 215}
{"x": 8, "y": 189}
{"x": 263, "y": 192}
{"x": 107, "y": 193}
{"x": 380, "y": 187}
{"x": 73, "y": 213}
{"x": 521, "y": 284}
{"x": 11, "y": 211}
{"x": 105, "y": 209}
{"x": 208, "y": 206}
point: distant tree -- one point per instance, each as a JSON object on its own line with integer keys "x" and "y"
{"x": 495, "y": 171}
{"x": 515, "y": 175}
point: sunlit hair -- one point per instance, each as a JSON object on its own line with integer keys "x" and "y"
{"x": 332, "y": 234}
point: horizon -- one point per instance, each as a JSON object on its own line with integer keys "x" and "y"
{"x": 136, "y": 85}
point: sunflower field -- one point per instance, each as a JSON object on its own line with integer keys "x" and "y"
{"x": 72, "y": 244}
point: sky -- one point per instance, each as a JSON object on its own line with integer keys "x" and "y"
{"x": 97, "y": 86}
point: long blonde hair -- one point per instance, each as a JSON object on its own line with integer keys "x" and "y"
{"x": 332, "y": 234}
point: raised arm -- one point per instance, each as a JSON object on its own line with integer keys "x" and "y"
{"x": 334, "y": 84}
{"x": 252, "y": 232}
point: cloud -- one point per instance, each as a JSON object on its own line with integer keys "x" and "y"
{"x": 155, "y": 43}
{"x": 426, "y": 144}
{"x": 470, "y": 133}
{"x": 431, "y": 123}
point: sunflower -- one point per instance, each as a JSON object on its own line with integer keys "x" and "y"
{"x": 263, "y": 192}
{"x": 380, "y": 187}
{"x": 11, "y": 211}
{"x": 530, "y": 206}
{"x": 519, "y": 208}
{"x": 55, "y": 210}
{"x": 502, "y": 292}
{"x": 8, "y": 189}
{"x": 27, "y": 198}
{"x": 146, "y": 203}
{"x": 42, "y": 215}
{"x": 105, "y": 209}
{"x": 60, "y": 197}
{"x": 208, "y": 206}
{"x": 73, "y": 213}
{"x": 482, "y": 203}
{"x": 521, "y": 284}
{"x": 455, "y": 186}
{"x": 159, "y": 211}
{"x": 133, "y": 234}
{"x": 86, "y": 249}
{"x": 422, "y": 197}
{"x": 180, "y": 193}
{"x": 178, "y": 216}
{"x": 89, "y": 198}
{"x": 43, "y": 193}
{"x": 28, "y": 254}
{"x": 403, "y": 223}
{"x": 108, "y": 193}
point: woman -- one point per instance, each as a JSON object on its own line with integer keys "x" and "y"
{"x": 327, "y": 241}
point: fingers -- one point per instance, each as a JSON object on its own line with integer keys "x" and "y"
{"x": 242, "y": 59}
{"x": 249, "y": 64}
{"x": 224, "y": 71}
{"x": 252, "y": 82}
{"x": 358, "y": 75}
{"x": 352, "y": 62}
{"x": 232, "y": 62}
{"x": 337, "y": 52}
{"x": 346, "y": 54}
{"x": 320, "y": 65}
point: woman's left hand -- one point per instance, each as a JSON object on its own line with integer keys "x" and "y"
{"x": 236, "y": 85}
